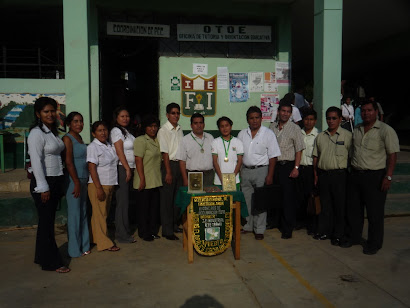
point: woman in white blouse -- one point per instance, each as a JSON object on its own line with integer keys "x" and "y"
{"x": 123, "y": 143}
{"x": 348, "y": 114}
{"x": 102, "y": 166}
{"x": 47, "y": 183}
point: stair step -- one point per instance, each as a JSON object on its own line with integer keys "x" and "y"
{"x": 397, "y": 204}
{"x": 400, "y": 184}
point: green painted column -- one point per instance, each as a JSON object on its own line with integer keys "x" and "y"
{"x": 94, "y": 64}
{"x": 327, "y": 56}
{"x": 77, "y": 63}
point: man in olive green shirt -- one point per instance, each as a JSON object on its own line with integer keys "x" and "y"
{"x": 330, "y": 157}
{"x": 374, "y": 158}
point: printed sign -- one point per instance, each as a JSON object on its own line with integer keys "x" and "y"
{"x": 224, "y": 33}
{"x": 238, "y": 87}
{"x": 198, "y": 95}
{"x": 175, "y": 83}
{"x": 131, "y": 29}
{"x": 212, "y": 223}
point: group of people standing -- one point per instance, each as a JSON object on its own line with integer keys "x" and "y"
{"x": 157, "y": 162}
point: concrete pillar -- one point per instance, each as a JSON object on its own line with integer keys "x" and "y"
{"x": 77, "y": 63}
{"x": 94, "y": 65}
{"x": 327, "y": 56}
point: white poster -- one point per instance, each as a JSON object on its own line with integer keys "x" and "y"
{"x": 256, "y": 82}
{"x": 282, "y": 73}
{"x": 270, "y": 84}
{"x": 200, "y": 69}
{"x": 222, "y": 78}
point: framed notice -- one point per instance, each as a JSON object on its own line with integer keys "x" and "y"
{"x": 228, "y": 182}
{"x": 195, "y": 182}
{"x": 212, "y": 223}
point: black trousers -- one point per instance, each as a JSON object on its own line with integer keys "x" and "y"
{"x": 364, "y": 192}
{"x": 148, "y": 212}
{"x": 47, "y": 254}
{"x": 169, "y": 212}
{"x": 332, "y": 190}
{"x": 288, "y": 186}
{"x": 305, "y": 184}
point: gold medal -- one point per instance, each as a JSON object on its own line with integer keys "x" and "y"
{"x": 226, "y": 159}
{"x": 202, "y": 151}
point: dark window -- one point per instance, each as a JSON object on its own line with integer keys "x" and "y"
{"x": 32, "y": 44}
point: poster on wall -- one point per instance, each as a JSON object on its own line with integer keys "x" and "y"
{"x": 239, "y": 87}
{"x": 222, "y": 78}
{"x": 17, "y": 110}
{"x": 200, "y": 69}
{"x": 198, "y": 95}
{"x": 270, "y": 82}
{"x": 175, "y": 83}
{"x": 269, "y": 102}
{"x": 256, "y": 82}
{"x": 282, "y": 73}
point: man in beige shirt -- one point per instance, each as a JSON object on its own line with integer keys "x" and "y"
{"x": 169, "y": 137}
{"x": 291, "y": 145}
{"x": 330, "y": 158}
{"x": 374, "y": 157}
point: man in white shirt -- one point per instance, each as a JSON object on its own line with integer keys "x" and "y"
{"x": 170, "y": 136}
{"x": 194, "y": 153}
{"x": 261, "y": 150}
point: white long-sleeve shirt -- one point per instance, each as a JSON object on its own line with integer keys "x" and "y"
{"x": 45, "y": 155}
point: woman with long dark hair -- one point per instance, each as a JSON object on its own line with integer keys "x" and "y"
{"x": 76, "y": 193}
{"x": 123, "y": 143}
{"x": 47, "y": 183}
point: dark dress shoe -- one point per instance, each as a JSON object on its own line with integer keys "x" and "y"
{"x": 370, "y": 251}
{"x": 179, "y": 230}
{"x": 320, "y": 237}
{"x": 259, "y": 236}
{"x": 148, "y": 238}
{"x": 156, "y": 237}
{"x": 286, "y": 236}
{"x": 172, "y": 237}
{"x": 335, "y": 242}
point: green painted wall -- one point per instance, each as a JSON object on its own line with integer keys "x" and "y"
{"x": 173, "y": 66}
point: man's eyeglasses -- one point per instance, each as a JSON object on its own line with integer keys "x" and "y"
{"x": 331, "y": 118}
{"x": 175, "y": 113}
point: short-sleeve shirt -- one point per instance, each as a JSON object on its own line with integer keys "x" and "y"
{"x": 128, "y": 144}
{"x": 307, "y": 153}
{"x": 104, "y": 156}
{"x": 290, "y": 139}
{"x": 370, "y": 149}
{"x": 148, "y": 149}
{"x": 169, "y": 138}
{"x": 333, "y": 151}
{"x": 234, "y": 147}
{"x": 190, "y": 151}
{"x": 258, "y": 150}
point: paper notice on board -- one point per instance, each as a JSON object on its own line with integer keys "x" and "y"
{"x": 282, "y": 73}
{"x": 270, "y": 82}
{"x": 256, "y": 82}
{"x": 269, "y": 104}
{"x": 239, "y": 88}
{"x": 200, "y": 69}
{"x": 222, "y": 82}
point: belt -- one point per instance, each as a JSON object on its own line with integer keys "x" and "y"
{"x": 200, "y": 170}
{"x": 366, "y": 171}
{"x": 284, "y": 162}
{"x": 255, "y": 167}
{"x": 333, "y": 171}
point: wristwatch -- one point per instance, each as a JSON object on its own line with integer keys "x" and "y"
{"x": 297, "y": 167}
{"x": 388, "y": 177}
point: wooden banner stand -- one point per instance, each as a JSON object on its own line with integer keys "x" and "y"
{"x": 236, "y": 236}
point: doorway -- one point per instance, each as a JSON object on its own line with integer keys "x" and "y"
{"x": 129, "y": 76}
